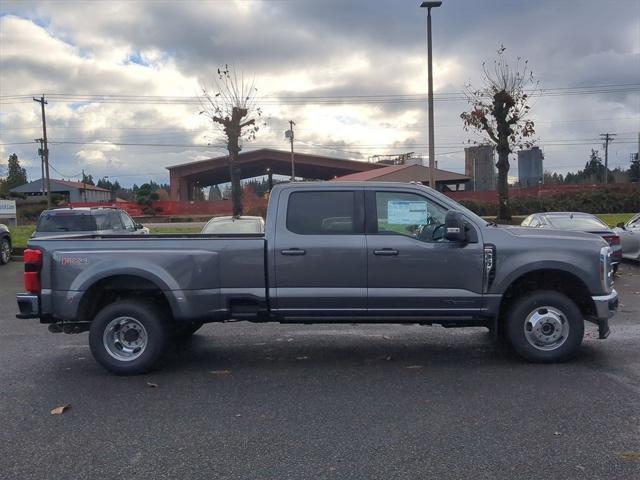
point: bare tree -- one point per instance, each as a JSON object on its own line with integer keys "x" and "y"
{"x": 230, "y": 104}
{"x": 499, "y": 112}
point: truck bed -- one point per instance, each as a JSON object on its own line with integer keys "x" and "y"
{"x": 202, "y": 276}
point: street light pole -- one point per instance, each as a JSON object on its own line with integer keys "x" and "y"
{"x": 432, "y": 154}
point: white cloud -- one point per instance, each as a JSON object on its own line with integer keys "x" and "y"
{"x": 299, "y": 48}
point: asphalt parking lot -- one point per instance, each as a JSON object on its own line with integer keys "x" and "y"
{"x": 244, "y": 401}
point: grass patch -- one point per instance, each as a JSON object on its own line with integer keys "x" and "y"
{"x": 20, "y": 235}
{"x": 612, "y": 219}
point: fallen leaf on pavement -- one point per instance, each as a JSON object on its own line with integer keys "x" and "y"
{"x": 629, "y": 455}
{"x": 152, "y": 385}
{"x": 60, "y": 410}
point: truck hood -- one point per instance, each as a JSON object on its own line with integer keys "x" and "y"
{"x": 551, "y": 233}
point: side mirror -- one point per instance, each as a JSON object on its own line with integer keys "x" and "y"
{"x": 139, "y": 226}
{"x": 620, "y": 225}
{"x": 455, "y": 228}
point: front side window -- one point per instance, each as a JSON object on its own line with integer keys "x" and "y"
{"x": 410, "y": 215}
{"x": 103, "y": 221}
{"x": 322, "y": 213}
{"x": 127, "y": 222}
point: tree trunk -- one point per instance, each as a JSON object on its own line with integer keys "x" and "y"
{"x": 234, "y": 175}
{"x": 504, "y": 213}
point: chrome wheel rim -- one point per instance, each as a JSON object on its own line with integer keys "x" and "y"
{"x": 125, "y": 338}
{"x": 546, "y": 328}
{"x": 5, "y": 251}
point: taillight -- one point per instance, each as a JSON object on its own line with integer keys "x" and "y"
{"x": 32, "y": 268}
{"x": 614, "y": 241}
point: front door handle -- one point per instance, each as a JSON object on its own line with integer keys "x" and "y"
{"x": 386, "y": 252}
{"x": 293, "y": 251}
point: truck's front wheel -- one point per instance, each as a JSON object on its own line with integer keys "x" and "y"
{"x": 128, "y": 337}
{"x": 545, "y": 326}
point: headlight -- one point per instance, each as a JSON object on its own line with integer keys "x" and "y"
{"x": 606, "y": 270}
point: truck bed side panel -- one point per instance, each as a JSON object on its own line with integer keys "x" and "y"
{"x": 198, "y": 275}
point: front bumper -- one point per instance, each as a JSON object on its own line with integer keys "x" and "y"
{"x": 606, "y": 305}
{"x": 29, "y": 305}
{"x": 605, "y": 308}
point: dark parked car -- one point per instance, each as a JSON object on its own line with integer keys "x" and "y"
{"x": 579, "y": 222}
{"x": 87, "y": 221}
{"x": 5, "y": 244}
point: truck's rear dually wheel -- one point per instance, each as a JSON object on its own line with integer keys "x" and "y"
{"x": 128, "y": 337}
{"x": 545, "y": 326}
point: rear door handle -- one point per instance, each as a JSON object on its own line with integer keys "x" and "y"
{"x": 293, "y": 251}
{"x": 386, "y": 252}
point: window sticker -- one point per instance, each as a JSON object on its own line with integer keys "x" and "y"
{"x": 404, "y": 212}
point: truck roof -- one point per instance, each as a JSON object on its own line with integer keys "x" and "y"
{"x": 341, "y": 185}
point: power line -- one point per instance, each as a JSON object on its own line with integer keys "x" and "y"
{"x": 327, "y": 99}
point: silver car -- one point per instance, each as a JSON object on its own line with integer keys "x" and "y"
{"x": 87, "y": 221}
{"x": 232, "y": 225}
{"x": 629, "y": 234}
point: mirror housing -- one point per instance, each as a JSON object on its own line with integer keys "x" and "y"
{"x": 139, "y": 226}
{"x": 455, "y": 227}
{"x": 620, "y": 225}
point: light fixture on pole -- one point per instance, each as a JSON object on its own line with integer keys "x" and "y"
{"x": 432, "y": 166}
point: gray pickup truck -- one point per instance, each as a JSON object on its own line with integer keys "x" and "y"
{"x": 332, "y": 252}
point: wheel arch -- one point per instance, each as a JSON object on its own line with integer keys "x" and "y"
{"x": 120, "y": 286}
{"x": 549, "y": 279}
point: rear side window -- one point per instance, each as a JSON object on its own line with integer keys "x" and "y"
{"x": 322, "y": 213}
{"x": 116, "y": 221}
{"x": 66, "y": 222}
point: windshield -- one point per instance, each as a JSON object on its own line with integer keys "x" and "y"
{"x": 576, "y": 223}
{"x": 231, "y": 226}
{"x": 455, "y": 205}
{"x": 66, "y": 222}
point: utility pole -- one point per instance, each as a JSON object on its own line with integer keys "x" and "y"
{"x": 45, "y": 149}
{"x": 41, "y": 153}
{"x": 289, "y": 134}
{"x": 84, "y": 186}
{"x": 606, "y": 137}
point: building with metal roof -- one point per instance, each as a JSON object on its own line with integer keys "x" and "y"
{"x": 72, "y": 191}
{"x": 445, "y": 180}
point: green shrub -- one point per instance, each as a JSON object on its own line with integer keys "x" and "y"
{"x": 605, "y": 200}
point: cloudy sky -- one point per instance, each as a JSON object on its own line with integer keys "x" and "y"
{"x": 351, "y": 74}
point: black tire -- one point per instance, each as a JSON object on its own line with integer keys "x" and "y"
{"x": 183, "y": 331}
{"x": 564, "y": 338}
{"x": 154, "y": 324}
{"x": 5, "y": 251}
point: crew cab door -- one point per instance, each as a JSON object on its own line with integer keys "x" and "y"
{"x": 320, "y": 253}
{"x": 412, "y": 270}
